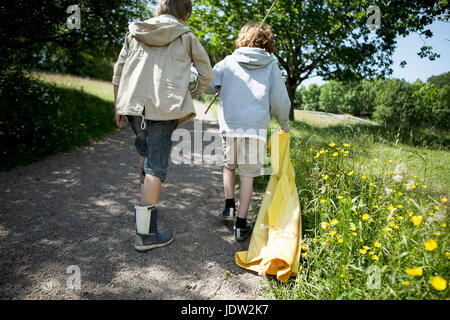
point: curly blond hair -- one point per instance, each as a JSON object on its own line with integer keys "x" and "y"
{"x": 264, "y": 39}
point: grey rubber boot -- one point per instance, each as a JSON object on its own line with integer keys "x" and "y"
{"x": 147, "y": 235}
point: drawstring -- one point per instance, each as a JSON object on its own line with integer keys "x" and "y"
{"x": 143, "y": 123}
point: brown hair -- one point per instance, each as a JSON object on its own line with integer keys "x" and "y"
{"x": 177, "y": 8}
{"x": 263, "y": 40}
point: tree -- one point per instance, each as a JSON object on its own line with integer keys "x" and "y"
{"x": 34, "y": 32}
{"x": 440, "y": 80}
{"x": 327, "y": 38}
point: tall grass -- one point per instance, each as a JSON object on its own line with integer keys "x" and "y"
{"x": 40, "y": 118}
{"x": 374, "y": 213}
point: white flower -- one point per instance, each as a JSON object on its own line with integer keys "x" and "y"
{"x": 410, "y": 184}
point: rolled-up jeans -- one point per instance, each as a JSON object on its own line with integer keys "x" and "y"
{"x": 154, "y": 143}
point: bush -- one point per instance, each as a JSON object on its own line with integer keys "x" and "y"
{"x": 413, "y": 105}
{"x": 332, "y": 97}
{"x": 311, "y": 98}
{"x": 38, "y": 119}
{"x": 441, "y": 80}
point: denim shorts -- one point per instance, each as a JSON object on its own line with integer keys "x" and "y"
{"x": 154, "y": 143}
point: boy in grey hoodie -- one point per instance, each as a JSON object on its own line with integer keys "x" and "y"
{"x": 151, "y": 80}
{"x": 251, "y": 90}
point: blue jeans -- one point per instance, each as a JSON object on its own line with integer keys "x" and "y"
{"x": 154, "y": 143}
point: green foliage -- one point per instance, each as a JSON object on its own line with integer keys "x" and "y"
{"x": 38, "y": 119}
{"x": 332, "y": 97}
{"x": 34, "y": 34}
{"x": 319, "y": 37}
{"x": 440, "y": 80}
{"x": 413, "y": 105}
{"x": 311, "y": 97}
{"x": 391, "y": 102}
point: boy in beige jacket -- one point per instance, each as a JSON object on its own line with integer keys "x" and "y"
{"x": 151, "y": 79}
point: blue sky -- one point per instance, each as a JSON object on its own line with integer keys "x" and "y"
{"x": 407, "y": 48}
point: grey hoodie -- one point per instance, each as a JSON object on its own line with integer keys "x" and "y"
{"x": 251, "y": 90}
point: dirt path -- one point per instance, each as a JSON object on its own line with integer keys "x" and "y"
{"x": 77, "y": 209}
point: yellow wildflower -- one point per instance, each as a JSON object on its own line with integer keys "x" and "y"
{"x": 334, "y": 222}
{"x": 325, "y": 225}
{"x": 335, "y": 154}
{"x": 444, "y": 199}
{"x": 438, "y": 283}
{"x": 391, "y": 207}
{"x": 376, "y": 244}
{"x": 340, "y": 240}
{"x": 339, "y": 197}
{"x": 332, "y": 144}
{"x": 414, "y": 271}
{"x": 346, "y": 145}
{"x": 406, "y": 283}
{"x": 332, "y": 233}
{"x": 430, "y": 244}
{"x": 350, "y": 173}
{"x": 375, "y": 257}
{"x": 362, "y": 251}
{"x": 322, "y": 200}
{"x": 354, "y": 234}
{"x": 417, "y": 220}
{"x": 365, "y": 216}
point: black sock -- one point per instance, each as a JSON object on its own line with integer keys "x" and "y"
{"x": 230, "y": 203}
{"x": 241, "y": 222}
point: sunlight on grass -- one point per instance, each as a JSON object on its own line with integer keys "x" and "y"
{"x": 102, "y": 89}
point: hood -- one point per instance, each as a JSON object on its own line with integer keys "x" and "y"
{"x": 252, "y": 58}
{"x": 159, "y": 31}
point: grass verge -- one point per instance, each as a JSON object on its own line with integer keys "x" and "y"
{"x": 374, "y": 214}
{"x": 46, "y": 114}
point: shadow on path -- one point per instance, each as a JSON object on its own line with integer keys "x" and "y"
{"x": 77, "y": 208}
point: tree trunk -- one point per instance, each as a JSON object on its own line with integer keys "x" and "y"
{"x": 291, "y": 86}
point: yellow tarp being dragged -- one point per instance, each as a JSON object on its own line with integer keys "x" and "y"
{"x": 275, "y": 244}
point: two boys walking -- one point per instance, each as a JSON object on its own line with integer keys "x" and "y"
{"x": 151, "y": 79}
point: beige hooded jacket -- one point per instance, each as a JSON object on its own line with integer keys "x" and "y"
{"x": 153, "y": 70}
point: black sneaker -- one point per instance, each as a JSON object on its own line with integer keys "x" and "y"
{"x": 227, "y": 214}
{"x": 240, "y": 234}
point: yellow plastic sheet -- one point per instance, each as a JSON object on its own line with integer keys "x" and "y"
{"x": 275, "y": 244}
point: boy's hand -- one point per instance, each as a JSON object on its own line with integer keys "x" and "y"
{"x": 119, "y": 120}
